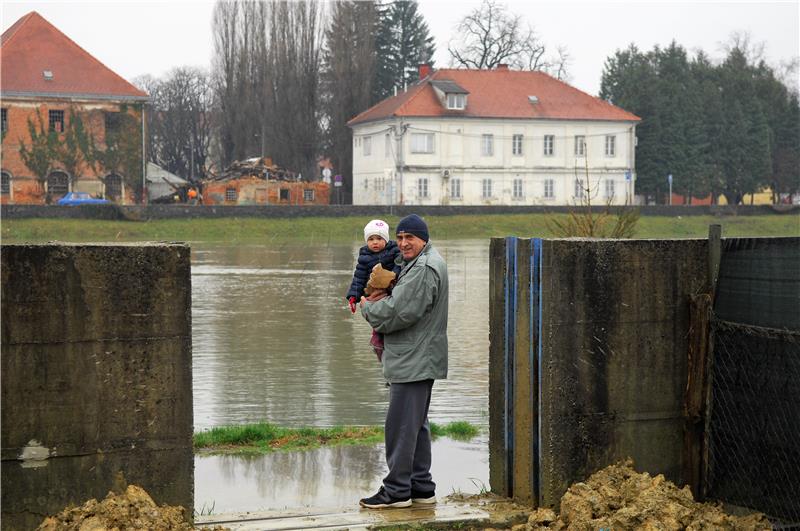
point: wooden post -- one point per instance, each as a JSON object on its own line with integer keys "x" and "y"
{"x": 499, "y": 474}
{"x": 523, "y": 387}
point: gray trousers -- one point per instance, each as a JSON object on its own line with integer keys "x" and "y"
{"x": 408, "y": 439}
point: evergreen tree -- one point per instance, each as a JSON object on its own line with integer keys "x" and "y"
{"x": 402, "y": 44}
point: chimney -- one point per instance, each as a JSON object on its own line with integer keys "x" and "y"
{"x": 502, "y": 66}
{"x": 424, "y": 70}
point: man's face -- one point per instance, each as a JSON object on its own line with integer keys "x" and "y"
{"x": 409, "y": 245}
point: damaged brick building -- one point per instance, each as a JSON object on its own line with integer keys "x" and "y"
{"x": 46, "y": 80}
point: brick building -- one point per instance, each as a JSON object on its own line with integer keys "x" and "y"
{"x": 45, "y": 80}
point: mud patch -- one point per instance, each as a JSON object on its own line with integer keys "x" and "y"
{"x": 618, "y": 497}
{"x": 134, "y": 509}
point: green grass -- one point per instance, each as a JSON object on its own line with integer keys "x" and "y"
{"x": 264, "y": 437}
{"x": 349, "y": 229}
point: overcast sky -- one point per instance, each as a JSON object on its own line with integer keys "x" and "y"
{"x": 148, "y": 37}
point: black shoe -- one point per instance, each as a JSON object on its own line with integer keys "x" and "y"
{"x": 382, "y": 500}
{"x": 423, "y": 498}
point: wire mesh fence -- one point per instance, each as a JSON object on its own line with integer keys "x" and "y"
{"x": 754, "y": 426}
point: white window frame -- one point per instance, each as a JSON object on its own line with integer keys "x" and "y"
{"x": 380, "y": 184}
{"x": 367, "y": 146}
{"x": 517, "y": 189}
{"x": 366, "y": 183}
{"x": 456, "y": 101}
{"x": 549, "y": 188}
{"x": 487, "y": 145}
{"x": 549, "y": 145}
{"x": 308, "y": 195}
{"x": 580, "y": 145}
{"x": 609, "y": 189}
{"x": 580, "y": 190}
{"x": 423, "y": 143}
{"x": 422, "y": 187}
{"x": 455, "y": 188}
{"x": 516, "y": 145}
{"x": 611, "y": 145}
{"x": 486, "y": 188}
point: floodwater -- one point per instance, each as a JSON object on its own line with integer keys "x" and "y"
{"x": 274, "y": 340}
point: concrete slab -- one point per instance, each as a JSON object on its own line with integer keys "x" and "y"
{"x": 346, "y": 519}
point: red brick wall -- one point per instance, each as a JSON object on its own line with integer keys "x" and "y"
{"x": 25, "y": 187}
{"x": 255, "y": 191}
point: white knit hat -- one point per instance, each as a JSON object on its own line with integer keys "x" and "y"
{"x": 377, "y": 226}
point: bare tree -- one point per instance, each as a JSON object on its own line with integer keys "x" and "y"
{"x": 491, "y": 35}
{"x": 180, "y": 121}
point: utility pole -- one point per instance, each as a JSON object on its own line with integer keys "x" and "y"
{"x": 398, "y": 135}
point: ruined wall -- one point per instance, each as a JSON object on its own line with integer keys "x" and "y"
{"x": 257, "y": 191}
{"x": 588, "y": 359}
{"x": 96, "y": 376}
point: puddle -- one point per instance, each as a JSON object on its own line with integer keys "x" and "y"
{"x": 326, "y": 477}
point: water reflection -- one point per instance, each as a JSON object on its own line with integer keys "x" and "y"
{"x": 273, "y": 340}
{"x": 324, "y": 478}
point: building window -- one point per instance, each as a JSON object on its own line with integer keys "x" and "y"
{"x": 367, "y": 145}
{"x": 517, "y": 189}
{"x": 609, "y": 189}
{"x": 230, "y": 194}
{"x": 611, "y": 145}
{"x": 113, "y": 122}
{"x": 366, "y": 184}
{"x": 487, "y": 145}
{"x": 549, "y": 189}
{"x": 380, "y": 184}
{"x": 421, "y": 142}
{"x": 516, "y": 145}
{"x": 455, "y": 188}
{"x": 456, "y": 101}
{"x": 422, "y": 186}
{"x": 5, "y": 182}
{"x": 549, "y": 142}
{"x": 580, "y": 146}
{"x": 578, "y": 189}
{"x": 387, "y": 145}
{"x": 308, "y": 195}
{"x": 4, "y": 120}
{"x": 57, "y": 184}
{"x": 113, "y": 187}
{"x": 486, "y": 188}
{"x": 283, "y": 194}
{"x": 56, "y": 121}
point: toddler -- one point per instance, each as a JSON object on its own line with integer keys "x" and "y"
{"x": 379, "y": 251}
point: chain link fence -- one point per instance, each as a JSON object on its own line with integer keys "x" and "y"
{"x": 754, "y": 426}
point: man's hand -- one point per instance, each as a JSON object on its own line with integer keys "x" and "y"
{"x": 377, "y": 294}
{"x": 352, "y": 302}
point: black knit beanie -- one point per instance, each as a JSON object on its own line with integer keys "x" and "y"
{"x": 413, "y": 224}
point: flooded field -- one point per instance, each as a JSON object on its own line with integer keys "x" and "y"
{"x": 273, "y": 340}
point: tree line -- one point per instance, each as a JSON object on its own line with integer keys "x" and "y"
{"x": 731, "y": 128}
{"x": 286, "y": 76}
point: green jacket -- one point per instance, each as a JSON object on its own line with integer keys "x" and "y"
{"x": 413, "y": 320}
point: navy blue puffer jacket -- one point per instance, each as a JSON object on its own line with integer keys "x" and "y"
{"x": 366, "y": 261}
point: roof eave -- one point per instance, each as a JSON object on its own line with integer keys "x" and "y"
{"x": 70, "y": 96}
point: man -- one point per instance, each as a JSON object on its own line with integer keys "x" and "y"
{"x": 413, "y": 320}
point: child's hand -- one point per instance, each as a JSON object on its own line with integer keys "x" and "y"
{"x": 352, "y": 302}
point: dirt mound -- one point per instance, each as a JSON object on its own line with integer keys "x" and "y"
{"x": 134, "y": 509}
{"x": 618, "y": 497}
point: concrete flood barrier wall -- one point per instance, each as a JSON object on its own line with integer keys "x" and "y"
{"x": 590, "y": 345}
{"x": 96, "y": 376}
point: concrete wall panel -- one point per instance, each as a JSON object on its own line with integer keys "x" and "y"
{"x": 96, "y": 375}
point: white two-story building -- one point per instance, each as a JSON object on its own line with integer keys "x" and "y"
{"x": 493, "y": 137}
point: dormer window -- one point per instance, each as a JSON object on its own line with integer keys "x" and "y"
{"x": 48, "y": 75}
{"x": 456, "y": 101}
{"x": 450, "y": 94}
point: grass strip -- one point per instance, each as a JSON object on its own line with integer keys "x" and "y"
{"x": 263, "y": 437}
{"x": 319, "y": 231}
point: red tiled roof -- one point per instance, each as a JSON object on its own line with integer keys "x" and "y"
{"x": 32, "y": 45}
{"x": 500, "y": 93}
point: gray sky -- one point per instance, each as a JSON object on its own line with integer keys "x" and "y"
{"x": 149, "y": 37}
